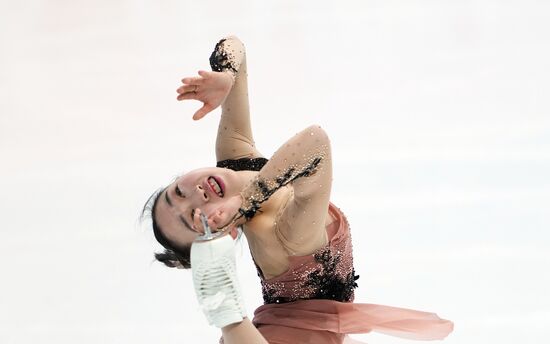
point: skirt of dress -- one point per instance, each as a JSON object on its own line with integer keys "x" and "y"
{"x": 329, "y": 322}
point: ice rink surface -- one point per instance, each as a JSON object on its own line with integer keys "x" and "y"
{"x": 438, "y": 114}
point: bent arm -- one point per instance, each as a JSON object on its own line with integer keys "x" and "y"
{"x": 305, "y": 162}
{"x": 234, "y": 139}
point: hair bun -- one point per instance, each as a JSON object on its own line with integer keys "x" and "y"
{"x": 172, "y": 259}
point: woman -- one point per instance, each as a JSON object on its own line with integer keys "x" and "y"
{"x": 299, "y": 241}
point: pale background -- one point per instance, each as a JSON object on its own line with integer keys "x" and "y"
{"x": 438, "y": 112}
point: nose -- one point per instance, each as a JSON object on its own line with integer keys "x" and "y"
{"x": 202, "y": 193}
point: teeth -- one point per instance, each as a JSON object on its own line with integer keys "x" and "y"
{"x": 215, "y": 186}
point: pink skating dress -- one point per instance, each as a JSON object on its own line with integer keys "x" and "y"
{"x": 313, "y": 301}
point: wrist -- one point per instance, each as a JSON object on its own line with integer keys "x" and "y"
{"x": 231, "y": 74}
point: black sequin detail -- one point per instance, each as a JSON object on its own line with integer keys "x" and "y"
{"x": 269, "y": 297}
{"x": 220, "y": 60}
{"x": 326, "y": 281}
{"x": 244, "y": 164}
{"x": 281, "y": 181}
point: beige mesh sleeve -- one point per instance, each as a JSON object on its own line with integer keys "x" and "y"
{"x": 305, "y": 163}
{"x": 234, "y": 139}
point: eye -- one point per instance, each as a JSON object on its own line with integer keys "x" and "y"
{"x": 178, "y": 191}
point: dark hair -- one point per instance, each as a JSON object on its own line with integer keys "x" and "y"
{"x": 173, "y": 257}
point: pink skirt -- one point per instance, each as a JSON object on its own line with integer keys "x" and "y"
{"x": 327, "y": 321}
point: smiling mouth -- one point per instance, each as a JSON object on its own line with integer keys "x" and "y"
{"x": 215, "y": 186}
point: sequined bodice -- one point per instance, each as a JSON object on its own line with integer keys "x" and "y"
{"x": 327, "y": 273}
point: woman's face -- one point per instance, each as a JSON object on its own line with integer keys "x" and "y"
{"x": 205, "y": 189}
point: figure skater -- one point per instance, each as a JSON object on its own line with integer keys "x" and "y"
{"x": 299, "y": 241}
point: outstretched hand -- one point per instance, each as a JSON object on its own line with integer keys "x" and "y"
{"x": 211, "y": 88}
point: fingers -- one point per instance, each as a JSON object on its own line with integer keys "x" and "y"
{"x": 187, "y": 88}
{"x": 197, "y": 225}
{"x": 191, "y": 86}
{"x": 204, "y": 73}
{"x": 197, "y": 80}
{"x": 193, "y": 80}
{"x": 223, "y": 220}
{"x": 188, "y": 95}
{"x": 218, "y": 220}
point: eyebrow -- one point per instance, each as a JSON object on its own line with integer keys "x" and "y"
{"x": 182, "y": 219}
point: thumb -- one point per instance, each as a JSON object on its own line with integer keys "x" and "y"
{"x": 201, "y": 112}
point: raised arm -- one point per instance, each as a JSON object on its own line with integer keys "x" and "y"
{"x": 234, "y": 139}
{"x": 304, "y": 162}
{"x": 227, "y": 86}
